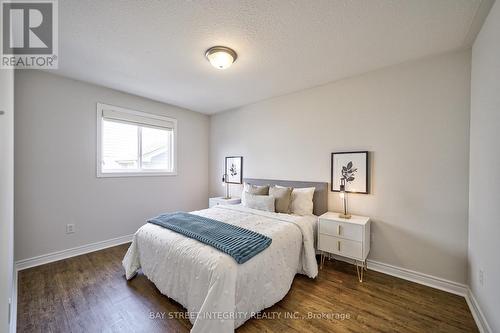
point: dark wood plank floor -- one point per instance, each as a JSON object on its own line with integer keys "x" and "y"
{"x": 89, "y": 293}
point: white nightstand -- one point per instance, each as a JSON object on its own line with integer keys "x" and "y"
{"x": 222, "y": 201}
{"x": 348, "y": 238}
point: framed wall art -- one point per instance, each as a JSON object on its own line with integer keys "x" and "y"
{"x": 351, "y": 169}
{"x": 234, "y": 169}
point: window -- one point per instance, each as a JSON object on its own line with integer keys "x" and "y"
{"x": 132, "y": 143}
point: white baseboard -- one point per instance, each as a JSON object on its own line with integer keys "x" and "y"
{"x": 73, "y": 252}
{"x": 421, "y": 278}
{"x": 482, "y": 323}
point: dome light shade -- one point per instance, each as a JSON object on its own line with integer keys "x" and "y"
{"x": 221, "y": 57}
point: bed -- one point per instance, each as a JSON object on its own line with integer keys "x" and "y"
{"x": 219, "y": 294}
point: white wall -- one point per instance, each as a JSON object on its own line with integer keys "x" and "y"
{"x": 6, "y": 193}
{"x": 55, "y": 162}
{"x": 484, "y": 199}
{"x": 413, "y": 117}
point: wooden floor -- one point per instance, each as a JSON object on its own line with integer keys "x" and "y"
{"x": 89, "y": 293}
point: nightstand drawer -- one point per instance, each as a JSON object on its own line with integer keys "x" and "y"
{"x": 341, "y": 230}
{"x": 340, "y": 246}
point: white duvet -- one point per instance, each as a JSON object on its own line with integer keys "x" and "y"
{"x": 218, "y": 293}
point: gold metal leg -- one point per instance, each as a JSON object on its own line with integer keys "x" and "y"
{"x": 360, "y": 270}
{"x": 323, "y": 257}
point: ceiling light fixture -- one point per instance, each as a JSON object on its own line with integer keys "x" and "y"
{"x": 221, "y": 57}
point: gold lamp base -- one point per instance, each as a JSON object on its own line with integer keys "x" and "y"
{"x": 345, "y": 216}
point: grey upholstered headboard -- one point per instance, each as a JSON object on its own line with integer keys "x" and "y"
{"x": 320, "y": 199}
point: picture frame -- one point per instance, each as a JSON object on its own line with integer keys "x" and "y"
{"x": 353, "y": 168}
{"x": 233, "y": 169}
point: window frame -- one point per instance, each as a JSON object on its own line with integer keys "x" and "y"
{"x": 143, "y": 172}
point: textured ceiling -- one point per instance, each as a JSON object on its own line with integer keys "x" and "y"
{"x": 156, "y": 48}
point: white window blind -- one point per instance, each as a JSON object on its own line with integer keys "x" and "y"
{"x": 149, "y": 120}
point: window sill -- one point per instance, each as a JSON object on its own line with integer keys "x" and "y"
{"x": 134, "y": 174}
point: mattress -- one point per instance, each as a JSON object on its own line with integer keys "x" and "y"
{"x": 219, "y": 294}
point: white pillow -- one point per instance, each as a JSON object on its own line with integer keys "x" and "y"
{"x": 253, "y": 189}
{"x": 302, "y": 201}
{"x": 260, "y": 202}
